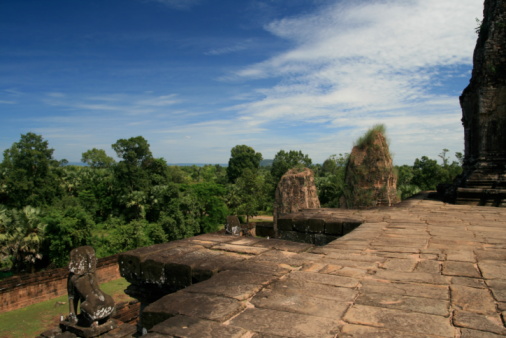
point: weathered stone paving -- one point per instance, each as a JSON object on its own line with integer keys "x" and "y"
{"x": 420, "y": 269}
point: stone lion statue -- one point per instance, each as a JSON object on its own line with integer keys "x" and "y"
{"x": 95, "y": 306}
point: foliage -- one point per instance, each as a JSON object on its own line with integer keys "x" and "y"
{"x": 129, "y": 236}
{"x": 140, "y": 200}
{"x": 242, "y": 157}
{"x": 245, "y": 198}
{"x": 427, "y": 173}
{"x": 330, "y": 180}
{"x": 211, "y": 200}
{"x": 67, "y": 228}
{"x": 26, "y": 173}
{"x": 21, "y": 235}
{"x": 134, "y": 151}
{"x": 368, "y": 137}
{"x": 284, "y": 161}
{"x": 479, "y": 25}
{"x": 97, "y": 158}
{"x": 181, "y": 218}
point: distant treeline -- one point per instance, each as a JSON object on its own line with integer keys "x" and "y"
{"x": 48, "y": 207}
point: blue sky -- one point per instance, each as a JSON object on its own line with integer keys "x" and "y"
{"x": 197, "y": 77}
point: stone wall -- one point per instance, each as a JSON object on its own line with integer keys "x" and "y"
{"x": 315, "y": 226}
{"x": 19, "y": 291}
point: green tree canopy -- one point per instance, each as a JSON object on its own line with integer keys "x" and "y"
{"x": 242, "y": 157}
{"x": 21, "y": 236}
{"x": 67, "y": 228}
{"x": 134, "y": 151}
{"x": 26, "y": 174}
{"x": 130, "y": 173}
{"x": 97, "y": 158}
{"x": 246, "y": 196}
{"x": 284, "y": 161}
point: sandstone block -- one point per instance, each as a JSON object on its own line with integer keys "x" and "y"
{"x": 398, "y": 320}
{"x": 190, "y": 304}
{"x": 408, "y": 303}
{"x": 182, "y": 326}
{"x": 490, "y": 323}
{"x": 472, "y": 299}
{"x": 273, "y": 323}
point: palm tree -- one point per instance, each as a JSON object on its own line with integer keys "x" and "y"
{"x": 21, "y": 235}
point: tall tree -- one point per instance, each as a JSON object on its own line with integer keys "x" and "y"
{"x": 97, "y": 158}
{"x": 249, "y": 192}
{"x": 284, "y": 161}
{"x": 129, "y": 172}
{"x": 134, "y": 151}
{"x": 67, "y": 228}
{"x": 26, "y": 173}
{"x": 242, "y": 157}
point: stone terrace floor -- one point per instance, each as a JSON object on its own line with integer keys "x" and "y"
{"x": 420, "y": 269}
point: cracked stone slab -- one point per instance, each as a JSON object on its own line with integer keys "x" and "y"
{"x": 461, "y": 255}
{"x": 406, "y": 289}
{"x": 285, "y": 324}
{"x": 183, "y": 326}
{"x": 334, "y": 293}
{"x": 463, "y": 269}
{"x": 471, "y": 282}
{"x": 498, "y": 288}
{"x": 472, "y": 299}
{"x": 240, "y": 285}
{"x": 344, "y": 271}
{"x": 413, "y": 277}
{"x": 399, "y": 264}
{"x": 196, "y": 305}
{"x": 290, "y": 300}
{"x": 282, "y": 245}
{"x": 468, "y": 333}
{"x": 398, "y": 320}
{"x": 470, "y": 320}
{"x": 493, "y": 269}
{"x": 352, "y": 330}
{"x": 399, "y": 302}
{"x": 319, "y": 278}
{"x": 428, "y": 266}
{"x": 241, "y": 249}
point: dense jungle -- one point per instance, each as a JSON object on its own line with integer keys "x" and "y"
{"x": 48, "y": 207}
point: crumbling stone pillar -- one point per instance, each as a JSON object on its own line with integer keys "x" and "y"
{"x": 370, "y": 178}
{"x": 483, "y": 102}
{"x": 295, "y": 191}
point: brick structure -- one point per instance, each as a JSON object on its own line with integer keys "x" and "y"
{"x": 19, "y": 291}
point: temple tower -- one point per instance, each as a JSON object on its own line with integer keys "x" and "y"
{"x": 483, "y": 102}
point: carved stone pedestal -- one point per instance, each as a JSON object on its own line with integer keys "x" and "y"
{"x": 88, "y": 332}
{"x": 484, "y": 185}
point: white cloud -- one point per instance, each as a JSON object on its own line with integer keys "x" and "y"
{"x": 240, "y": 46}
{"x": 355, "y": 64}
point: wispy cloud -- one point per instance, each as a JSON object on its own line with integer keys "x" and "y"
{"x": 243, "y": 45}
{"x": 354, "y": 64}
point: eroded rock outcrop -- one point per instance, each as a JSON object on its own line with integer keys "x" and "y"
{"x": 370, "y": 179}
{"x": 483, "y": 105}
{"x": 295, "y": 191}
